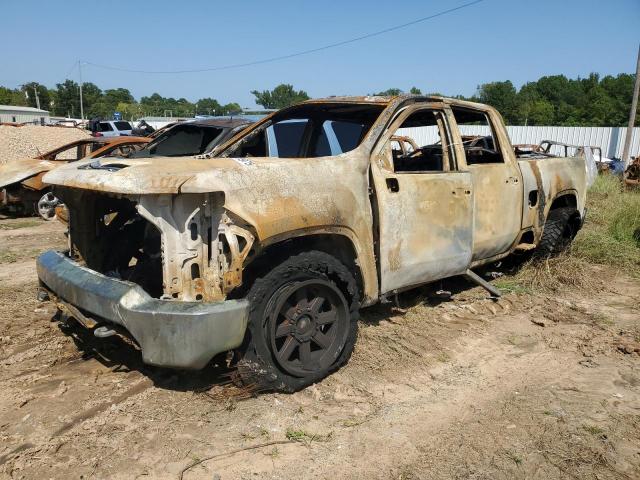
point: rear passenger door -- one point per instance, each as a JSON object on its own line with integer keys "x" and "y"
{"x": 423, "y": 201}
{"x": 497, "y": 182}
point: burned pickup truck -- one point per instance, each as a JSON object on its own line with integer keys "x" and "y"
{"x": 268, "y": 246}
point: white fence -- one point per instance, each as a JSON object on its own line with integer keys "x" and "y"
{"x": 609, "y": 139}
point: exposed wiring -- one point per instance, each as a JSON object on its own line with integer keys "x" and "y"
{"x": 290, "y": 55}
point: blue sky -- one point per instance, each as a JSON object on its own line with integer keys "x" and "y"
{"x": 519, "y": 40}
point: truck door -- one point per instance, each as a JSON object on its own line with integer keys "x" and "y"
{"x": 497, "y": 181}
{"x": 423, "y": 201}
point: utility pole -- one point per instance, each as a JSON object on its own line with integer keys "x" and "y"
{"x": 35, "y": 89}
{"x": 632, "y": 115}
{"x": 80, "y": 74}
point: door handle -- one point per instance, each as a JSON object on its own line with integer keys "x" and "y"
{"x": 512, "y": 180}
{"x": 393, "y": 185}
{"x": 462, "y": 190}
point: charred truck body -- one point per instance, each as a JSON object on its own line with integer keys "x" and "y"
{"x": 269, "y": 245}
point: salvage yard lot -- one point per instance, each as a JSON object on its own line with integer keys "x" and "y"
{"x": 544, "y": 383}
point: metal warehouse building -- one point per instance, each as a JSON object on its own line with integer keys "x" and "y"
{"x": 9, "y": 113}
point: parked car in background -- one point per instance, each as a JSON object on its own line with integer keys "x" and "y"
{"x": 185, "y": 138}
{"x": 192, "y": 137}
{"x": 21, "y": 187}
{"x": 110, "y": 128}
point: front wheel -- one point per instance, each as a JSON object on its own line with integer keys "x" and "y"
{"x": 302, "y": 323}
{"x": 46, "y": 206}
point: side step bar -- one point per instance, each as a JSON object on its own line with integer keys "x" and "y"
{"x": 483, "y": 283}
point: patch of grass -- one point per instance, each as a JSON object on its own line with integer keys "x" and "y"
{"x": 555, "y": 273}
{"x": 275, "y": 453}
{"x": 262, "y": 432}
{"x": 7, "y": 256}
{"x": 514, "y": 457}
{"x": 13, "y": 255}
{"x": 593, "y": 429}
{"x": 511, "y": 285}
{"x": 296, "y": 435}
{"x": 512, "y": 340}
{"x": 602, "y": 319}
{"x": 609, "y": 237}
{"x": 353, "y": 422}
{"x": 306, "y": 437}
{"x": 613, "y": 217}
{"x": 443, "y": 357}
{"x": 20, "y": 223}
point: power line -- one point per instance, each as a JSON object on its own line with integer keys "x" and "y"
{"x": 66, "y": 76}
{"x": 291, "y": 55}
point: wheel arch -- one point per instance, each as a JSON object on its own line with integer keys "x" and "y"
{"x": 567, "y": 199}
{"x": 337, "y": 243}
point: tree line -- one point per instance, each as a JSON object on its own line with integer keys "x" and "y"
{"x": 64, "y": 100}
{"x": 550, "y": 100}
{"x": 557, "y": 100}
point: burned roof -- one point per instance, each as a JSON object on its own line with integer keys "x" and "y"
{"x": 219, "y": 122}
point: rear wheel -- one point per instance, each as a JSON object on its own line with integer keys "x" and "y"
{"x": 302, "y": 323}
{"x": 559, "y": 231}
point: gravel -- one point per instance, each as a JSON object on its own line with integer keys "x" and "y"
{"x": 32, "y": 140}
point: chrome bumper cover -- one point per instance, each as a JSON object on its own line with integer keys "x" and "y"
{"x": 170, "y": 333}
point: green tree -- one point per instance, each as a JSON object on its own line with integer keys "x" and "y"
{"x": 232, "y": 109}
{"x": 29, "y": 91}
{"x": 537, "y": 112}
{"x": 5, "y": 95}
{"x": 390, "y": 92}
{"x": 10, "y": 96}
{"x": 130, "y": 111}
{"x": 282, "y": 96}
{"x": 153, "y": 105}
{"x": 415, "y": 91}
{"x": 93, "y": 101}
{"x": 620, "y": 89}
{"x": 502, "y": 96}
{"x": 118, "y": 95}
{"x": 67, "y": 101}
{"x": 208, "y": 106}
{"x": 550, "y": 100}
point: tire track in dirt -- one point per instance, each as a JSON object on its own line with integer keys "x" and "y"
{"x": 461, "y": 389}
{"x": 101, "y": 407}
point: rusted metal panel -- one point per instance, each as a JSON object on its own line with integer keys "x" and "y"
{"x": 14, "y": 172}
{"x": 424, "y": 218}
{"x": 632, "y": 173}
{"x": 30, "y": 171}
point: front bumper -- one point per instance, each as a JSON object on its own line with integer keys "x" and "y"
{"x": 170, "y": 333}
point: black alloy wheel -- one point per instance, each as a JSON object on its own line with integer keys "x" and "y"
{"x": 308, "y": 326}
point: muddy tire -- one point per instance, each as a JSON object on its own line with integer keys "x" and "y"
{"x": 559, "y": 230}
{"x": 302, "y": 324}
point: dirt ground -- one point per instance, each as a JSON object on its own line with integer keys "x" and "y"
{"x": 533, "y": 386}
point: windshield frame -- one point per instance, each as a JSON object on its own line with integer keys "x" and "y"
{"x": 230, "y": 147}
